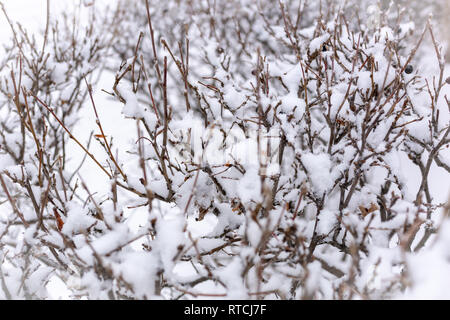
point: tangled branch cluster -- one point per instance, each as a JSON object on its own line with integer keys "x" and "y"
{"x": 281, "y": 130}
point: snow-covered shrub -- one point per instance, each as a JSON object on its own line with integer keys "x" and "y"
{"x": 47, "y": 69}
{"x": 268, "y": 164}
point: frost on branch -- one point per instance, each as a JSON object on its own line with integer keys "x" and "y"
{"x": 269, "y": 160}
